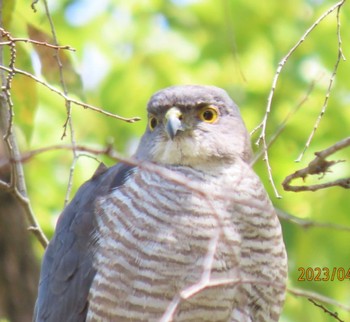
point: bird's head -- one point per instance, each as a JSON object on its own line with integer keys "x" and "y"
{"x": 194, "y": 125}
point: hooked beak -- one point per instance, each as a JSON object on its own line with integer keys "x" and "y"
{"x": 173, "y": 122}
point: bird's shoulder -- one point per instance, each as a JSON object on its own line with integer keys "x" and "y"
{"x": 67, "y": 269}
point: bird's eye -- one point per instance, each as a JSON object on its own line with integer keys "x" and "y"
{"x": 208, "y": 114}
{"x": 152, "y": 122}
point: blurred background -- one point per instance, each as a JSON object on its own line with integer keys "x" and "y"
{"x": 127, "y": 50}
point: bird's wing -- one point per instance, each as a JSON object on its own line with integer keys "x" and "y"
{"x": 67, "y": 269}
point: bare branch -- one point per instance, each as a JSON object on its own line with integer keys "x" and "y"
{"x": 204, "y": 281}
{"x": 317, "y": 297}
{"x": 334, "y": 148}
{"x": 7, "y": 83}
{"x": 194, "y": 289}
{"x": 263, "y": 124}
{"x": 17, "y": 185}
{"x": 69, "y": 120}
{"x": 333, "y": 314}
{"x": 34, "y": 42}
{"x": 330, "y": 85}
{"x": 76, "y": 102}
{"x": 319, "y": 165}
{"x": 282, "y": 126}
{"x": 306, "y": 224}
{"x": 25, "y": 157}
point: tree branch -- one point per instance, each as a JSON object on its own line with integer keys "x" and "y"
{"x": 263, "y": 124}
{"x": 317, "y": 297}
{"x": 306, "y": 224}
{"x": 319, "y": 165}
{"x": 333, "y": 314}
{"x": 331, "y": 80}
{"x": 76, "y": 102}
{"x": 17, "y": 185}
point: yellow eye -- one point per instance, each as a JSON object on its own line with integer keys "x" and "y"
{"x": 208, "y": 114}
{"x": 152, "y": 122}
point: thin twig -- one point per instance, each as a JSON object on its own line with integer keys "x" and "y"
{"x": 144, "y": 165}
{"x": 76, "y": 102}
{"x": 330, "y": 84}
{"x": 307, "y": 224}
{"x": 25, "y": 157}
{"x": 317, "y": 297}
{"x": 263, "y": 124}
{"x": 334, "y": 148}
{"x": 6, "y": 86}
{"x": 204, "y": 280}
{"x": 69, "y": 120}
{"x": 192, "y": 290}
{"x": 283, "y": 62}
{"x": 35, "y": 42}
{"x": 283, "y": 124}
{"x": 333, "y": 314}
{"x": 17, "y": 185}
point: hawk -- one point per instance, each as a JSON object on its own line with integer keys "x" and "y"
{"x": 185, "y": 231}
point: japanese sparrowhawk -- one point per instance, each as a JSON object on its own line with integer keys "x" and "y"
{"x": 183, "y": 232}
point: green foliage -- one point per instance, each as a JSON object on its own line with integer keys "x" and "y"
{"x": 126, "y": 50}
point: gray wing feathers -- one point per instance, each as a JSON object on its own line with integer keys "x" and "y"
{"x": 67, "y": 269}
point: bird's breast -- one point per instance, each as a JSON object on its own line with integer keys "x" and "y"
{"x": 160, "y": 236}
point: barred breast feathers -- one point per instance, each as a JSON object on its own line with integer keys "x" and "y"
{"x": 155, "y": 237}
